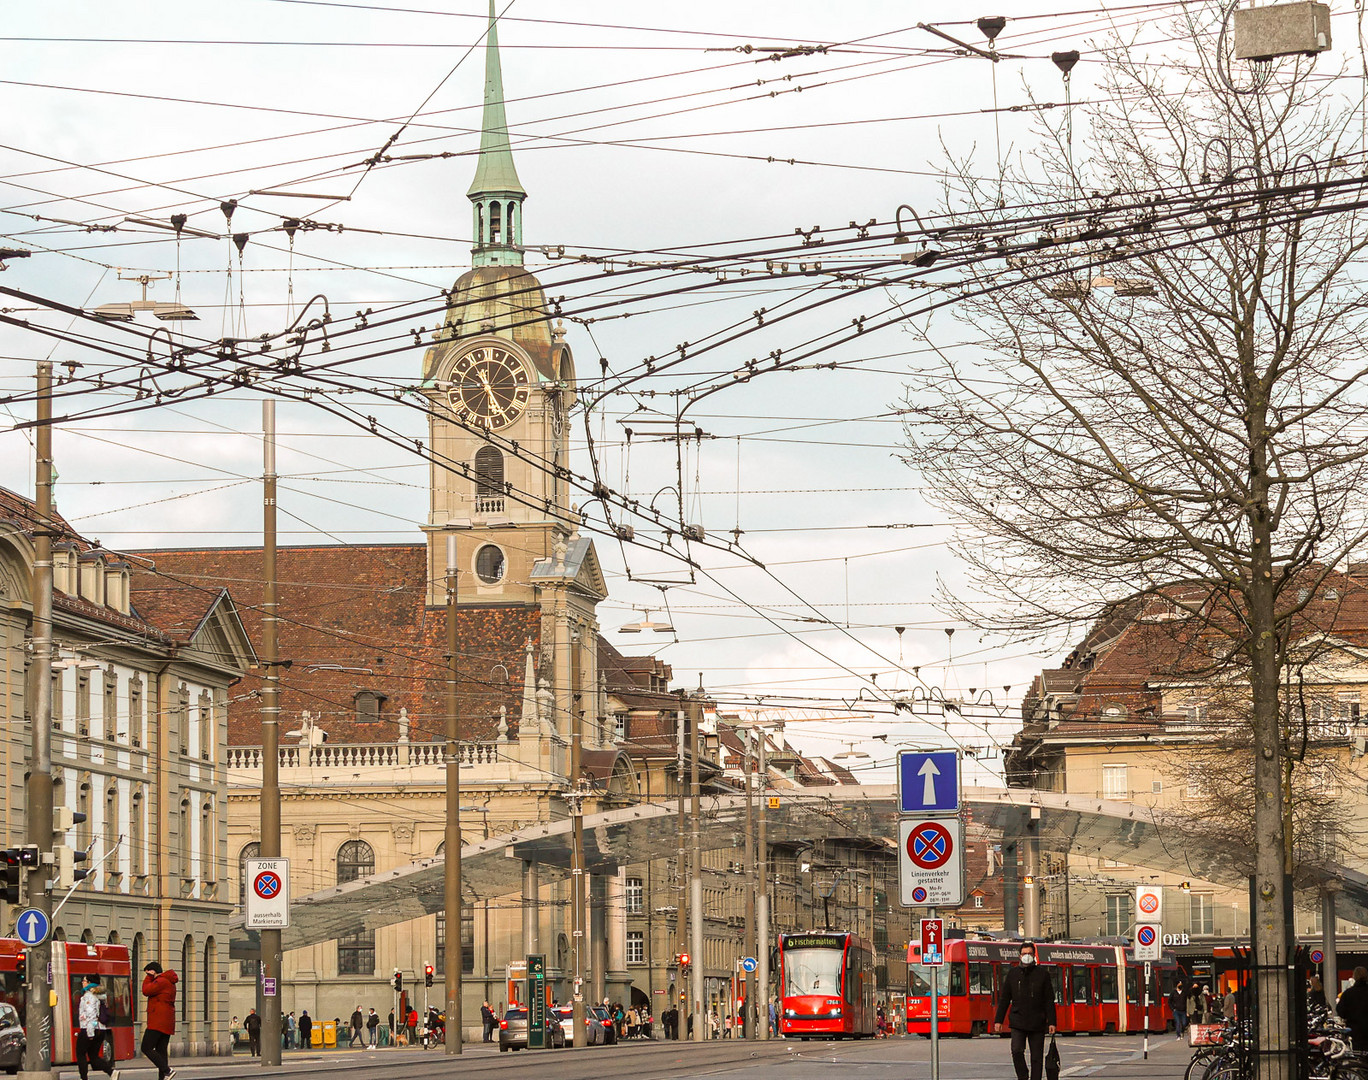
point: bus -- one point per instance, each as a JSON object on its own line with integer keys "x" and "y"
{"x": 826, "y": 981}
{"x": 72, "y": 963}
{"x": 1098, "y": 988}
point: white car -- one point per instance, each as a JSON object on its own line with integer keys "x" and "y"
{"x": 593, "y": 1029}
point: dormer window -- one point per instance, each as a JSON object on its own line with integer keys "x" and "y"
{"x": 368, "y": 704}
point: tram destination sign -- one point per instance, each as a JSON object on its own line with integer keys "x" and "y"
{"x": 814, "y": 941}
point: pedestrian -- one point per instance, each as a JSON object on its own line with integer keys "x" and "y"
{"x": 235, "y": 1031}
{"x": 1315, "y": 995}
{"x": 305, "y": 1029}
{"x": 252, "y": 1025}
{"x": 1178, "y": 998}
{"x": 488, "y": 1021}
{"x": 372, "y": 1027}
{"x": 288, "y": 1030}
{"x": 773, "y": 1017}
{"x": 412, "y": 1026}
{"x": 159, "y": 987}
{"x": 1353, "y": 1009}
{"x": 358, "y": 1024}
{"x": 1027, "y": 1004}
{"x": 393, "y": 1031}
{"x": 1230, "y": 1004}
{"x": 92, "y": 1018}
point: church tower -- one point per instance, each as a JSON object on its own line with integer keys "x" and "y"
{"x": 500, "y": 381}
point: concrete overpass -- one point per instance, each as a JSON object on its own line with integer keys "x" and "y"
{"x": 491, "y": 868}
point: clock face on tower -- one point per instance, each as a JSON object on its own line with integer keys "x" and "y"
{"x": 490, "y": 386}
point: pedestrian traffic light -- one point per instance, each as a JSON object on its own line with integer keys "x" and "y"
{"x": 427, "y": 974}
{"x": 397, "y": 979}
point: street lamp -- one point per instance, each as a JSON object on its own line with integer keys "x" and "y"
{"x": 647, "y": 625}
{"x": 124, "y": 312}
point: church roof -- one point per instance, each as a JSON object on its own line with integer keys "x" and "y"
{"x": 503, "y": 300}
{"x": 495, "y": 174}
{"x": 354, "y": 621}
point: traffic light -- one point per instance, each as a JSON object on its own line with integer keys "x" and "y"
{"x": 397, "y": 980}
{"x": 63, "y": 819}
{"x": 20, "y": 856}
{"x": 427, "y": 974}
{"x": 683, "y": 960}
{"x": 10, "y": 883}
{"x": 66, "y": 859}
{"x": 21, "y": 966}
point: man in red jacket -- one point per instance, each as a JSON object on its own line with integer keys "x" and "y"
{"x": 159, "y": 987}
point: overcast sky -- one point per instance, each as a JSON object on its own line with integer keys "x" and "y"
{"x": 641, "y": 131}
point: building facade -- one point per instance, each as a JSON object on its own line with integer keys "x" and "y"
{"x": 140, "y": 694}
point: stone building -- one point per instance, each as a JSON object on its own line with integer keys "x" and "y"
{"x": 1137, "y": 714}
{"x": 141, "y": 688}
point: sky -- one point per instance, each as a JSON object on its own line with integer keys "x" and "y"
{"x": 648, "y": 137}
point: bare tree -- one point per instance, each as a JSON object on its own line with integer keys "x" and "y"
{"x": 1169, "y": 385}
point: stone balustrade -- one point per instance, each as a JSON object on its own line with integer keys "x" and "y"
{"x": 364, "y": 755}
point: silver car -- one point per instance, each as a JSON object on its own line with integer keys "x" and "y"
{"x": 593, "y": 1028}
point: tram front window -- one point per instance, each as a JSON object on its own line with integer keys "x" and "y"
{"x": 812, "y": 971}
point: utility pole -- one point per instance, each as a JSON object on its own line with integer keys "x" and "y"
{"x": 38, "y": 812}
{"x": 579, "y": 892}
{"x": 696, "y": 879}
{"x": 748, "y": 1010}
{"x": 681, "y": 861}
{"x": 271, "y": 956}
{"x": 455, "y": 924}
{"x": 762, "y": 897}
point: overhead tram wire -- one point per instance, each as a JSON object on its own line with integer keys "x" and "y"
{"x": 661, "y": 148}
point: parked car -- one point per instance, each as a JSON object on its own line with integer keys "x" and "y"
{"x": 606, "y": 1023}
{"x": 11, "y": 1039}
{"x": 513, "y": 1030}
{"x": 593, "y": 1028}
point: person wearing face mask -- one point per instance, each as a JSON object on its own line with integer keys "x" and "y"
{"x": 1028, "y": 1005}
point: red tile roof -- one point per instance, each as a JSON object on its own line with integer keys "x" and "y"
{"x": 354, "y": 619}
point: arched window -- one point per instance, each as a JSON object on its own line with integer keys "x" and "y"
{"x": 187, "y": 978}
{"x": 495, "y": 231}
{"x": 489, "y": 481}
{"x": 355, "y": 859}
{"x": 210, "y": 974}
{"x": 249, "y": 851}
{"x": 512, "y": 233}
{"x": 479, "y": 224}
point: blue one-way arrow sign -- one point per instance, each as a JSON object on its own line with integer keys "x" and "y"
{"x": 32, "y": 926}
{"x": 928, "y": 782}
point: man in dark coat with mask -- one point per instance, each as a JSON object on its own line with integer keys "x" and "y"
{"x": 1028, "y": 1005}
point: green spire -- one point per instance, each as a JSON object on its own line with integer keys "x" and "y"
{"x": 495, "y": 174}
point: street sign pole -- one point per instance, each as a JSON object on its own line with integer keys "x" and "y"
{"x": 1148, "y": 971}
{"x": 935, "y": 1015}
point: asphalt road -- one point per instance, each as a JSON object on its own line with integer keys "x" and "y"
{"x": 1119, "y": 1057}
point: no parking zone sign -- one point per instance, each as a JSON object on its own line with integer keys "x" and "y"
{"x": 930, "y": 862}
{"x": 268, "y": 893}
{"x": 1148, "y": 937}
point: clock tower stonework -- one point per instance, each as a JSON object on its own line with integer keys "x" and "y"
{"x": 500, "y": 382}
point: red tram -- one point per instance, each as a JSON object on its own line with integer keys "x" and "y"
{"x": 826, "y": 981}
{"x": 72, "y": 962}
{"x": 1098, "y": 988}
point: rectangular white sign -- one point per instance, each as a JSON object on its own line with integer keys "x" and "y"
{"x": 268, "y": 893}
{"x": 1149, "y": 903}
{"x": 930, "y": 862}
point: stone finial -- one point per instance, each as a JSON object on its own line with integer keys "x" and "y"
{"x": 546, "y": 706}
{"x": 558, "y": 331}
{"x": 403, "y": 724}
{"x": 503, "y": 723}
{"x": 559, "y": 550}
